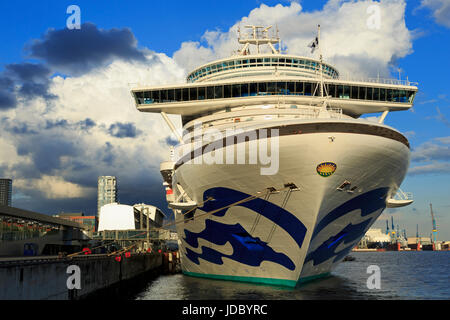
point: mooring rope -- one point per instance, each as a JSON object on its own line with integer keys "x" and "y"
{"x": 249, "y": 198}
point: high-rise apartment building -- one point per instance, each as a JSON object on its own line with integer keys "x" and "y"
{"x": 5, "y": 192}
{"x": 107, "y": 191}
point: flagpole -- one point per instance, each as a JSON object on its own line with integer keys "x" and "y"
{"x": 321, "y": 62}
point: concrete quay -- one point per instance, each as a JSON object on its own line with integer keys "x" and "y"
{"x": 79, "y": 277}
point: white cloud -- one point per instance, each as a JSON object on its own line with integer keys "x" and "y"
{"x": 432, "y": 151}
{"x": 435, "y": 167}
{"x": 441, "y": 10}
{"x": 64, "y": 160}
{"x": 445, "y": 140}
{"x": 431, "y": 157}
{"x": 53, "y": 187}
{"x": 409, "y": 134}
{"x": 347, "y": 41}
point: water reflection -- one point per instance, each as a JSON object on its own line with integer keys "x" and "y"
{"x": 404, "y": 275}
{"x": 180, "y": 287}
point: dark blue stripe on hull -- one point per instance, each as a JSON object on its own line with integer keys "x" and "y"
{"x": 369, "y": 203}
{"x": 247, "y": 250}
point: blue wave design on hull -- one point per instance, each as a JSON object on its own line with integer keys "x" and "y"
{"x": 368, "y": 203}
{"x": 247, "y": 250}
{"x": 281, "y": 217}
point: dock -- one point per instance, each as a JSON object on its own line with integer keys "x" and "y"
{"x": 78, "y": 277}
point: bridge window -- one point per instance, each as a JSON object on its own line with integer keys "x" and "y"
{"x": 376, "y": 94}
{"x": 244, "y": 90}
{"x": 362, "y": 93}
{"x": 227, "y": 91}
{"x": 139, "y": 95}
{"x": 281, "y": 88}
{"x": 253, "y": 89}
{"x": 193, "y": 94}
{"x": 236, "y": 90}
{"x": 164, "y": 95}
{"x": 354, "y": 93}
{"x": 178, "y": 95}
{"x": 411, "y": 96}
{"x": 369, "y": 94}
{"x": 185, "y": 94}
{"x": 340, "y": 91}
{"x": 396, "y": 95}
{"x": 272, "y": 87}
{"x": 308, "y": 89}
{"x": 403, "y": 96}
{"x": 218, "y": 92}
{"x": 201, "y": 93}
{"x": 332, "y": 90}
{"x": 389, "y": 95}
{"x": 290, "y": 87}
{"x": 299, "y": 88}
{"x": 170, "y": 95}
{"x": 346, "y": 94}
{"x": 262, "y": 88}
{"x": 383, "y": 94}
{"x": 209, "y": 92}
{"x": 155, "y": 96}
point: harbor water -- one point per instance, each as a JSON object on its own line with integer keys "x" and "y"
{"x": 403, "y": 275}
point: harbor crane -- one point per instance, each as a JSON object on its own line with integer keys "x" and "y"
{"x": 434, "y": 223}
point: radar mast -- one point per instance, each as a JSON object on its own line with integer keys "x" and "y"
{"x": 258, "y": 36}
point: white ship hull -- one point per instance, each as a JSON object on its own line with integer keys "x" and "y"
{"x": 291, "y": 236}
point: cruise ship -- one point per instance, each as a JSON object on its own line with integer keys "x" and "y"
{"x": 276, "y": 177}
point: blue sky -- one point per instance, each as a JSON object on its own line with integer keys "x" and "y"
{"x": 162, "y": 27}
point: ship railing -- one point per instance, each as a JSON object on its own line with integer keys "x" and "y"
{"x": 335, "y": 113}
{"x": 380, "y": 80}
{"x": 281, "y": 111}
{"x": 400, "y": 195}
{"x": 133, "y": 235}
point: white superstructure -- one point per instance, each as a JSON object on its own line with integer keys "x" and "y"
{"x": 276, "y": 178}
